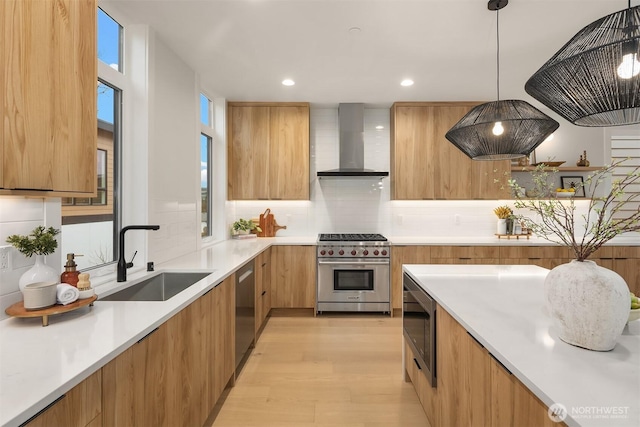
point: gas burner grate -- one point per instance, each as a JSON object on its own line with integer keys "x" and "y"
{"x": 352, "y": 237}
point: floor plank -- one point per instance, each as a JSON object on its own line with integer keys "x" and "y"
{"x": 325, "y": 371}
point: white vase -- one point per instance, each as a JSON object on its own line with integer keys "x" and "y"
{"x": 589, "y": 304}
{"x": 40, "y": 272}
{"x": 502, "y": 226}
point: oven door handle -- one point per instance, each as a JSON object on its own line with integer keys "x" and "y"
{"x": 352, "y": 262}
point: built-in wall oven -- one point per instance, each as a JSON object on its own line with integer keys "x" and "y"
{"x": 353, "y": 273}
{"x": 419, "y": 326}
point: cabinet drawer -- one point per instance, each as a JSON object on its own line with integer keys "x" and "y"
{"x": 465, "y": 252}
{"x": 534, "y": 252}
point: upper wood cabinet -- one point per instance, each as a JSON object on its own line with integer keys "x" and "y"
{"x": 425, "y": 165}
{"x": 49, "y": 124}
{"x": 268, "y": 151}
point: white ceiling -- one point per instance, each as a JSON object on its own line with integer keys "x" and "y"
{"x": 243, "y": 49}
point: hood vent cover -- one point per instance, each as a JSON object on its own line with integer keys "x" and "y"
{"x": 351, "y": 126}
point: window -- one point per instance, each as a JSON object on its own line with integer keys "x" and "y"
{"x": 206, "y": 141}
{"x": 109, "y": 41}
{"x": 90, "y": 225}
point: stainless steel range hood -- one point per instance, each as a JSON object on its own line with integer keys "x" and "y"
{"x": 351, "y": 126}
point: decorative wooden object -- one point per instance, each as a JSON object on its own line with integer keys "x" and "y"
{"x": 18, "y": 310}
{"x": 517, "y": 236}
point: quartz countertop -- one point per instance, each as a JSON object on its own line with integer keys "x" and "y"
{"x": 502, "y": 306}
{"x": 629, "y": 240}
{"x": 39, "y": 364}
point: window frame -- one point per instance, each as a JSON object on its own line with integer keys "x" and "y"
{"x": 207, "y": 131}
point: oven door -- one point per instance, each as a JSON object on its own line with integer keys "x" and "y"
{"x": 355, "y": 280}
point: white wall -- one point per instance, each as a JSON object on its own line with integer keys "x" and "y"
{"x": 173, "y": 157}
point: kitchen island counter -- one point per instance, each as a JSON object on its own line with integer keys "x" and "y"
{"x": 503, "y": 308}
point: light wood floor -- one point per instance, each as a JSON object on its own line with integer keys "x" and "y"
{"x": 324, "y": 371}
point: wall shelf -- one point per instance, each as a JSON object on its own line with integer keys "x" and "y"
{"x": 559, "y": 169}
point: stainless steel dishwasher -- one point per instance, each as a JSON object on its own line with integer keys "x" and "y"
{"x": 245, "y": 310}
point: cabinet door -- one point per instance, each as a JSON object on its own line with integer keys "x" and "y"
{"x": 4, "y": 37}
{"x": 223, "y": 335}
{"x": 412, "y": 167}
{"x": 453, "y": 171}
{"x": 625, "y": 263}
{"x": 293, "y": 277}
{"x": 462, "y": 375}
{"x": 50, "y": 129}
{"x": 543, "y": 256}
{"x": 465, "y": 255}
{"x": 248, "y": 151}
{"x": 263, "y": 288}
{"x": 428, "y": 395}
{"x": 405, "y": 255}
{"x": 79, "y": 407}
{"x": 289, "y": 153}
{"x": 483, "y": 176}
{"x": 128, "y": 378}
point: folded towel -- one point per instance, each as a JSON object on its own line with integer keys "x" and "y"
{"x": 66, "y": 294}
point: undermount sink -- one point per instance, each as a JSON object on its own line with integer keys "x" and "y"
{"x": 160, "y": 287}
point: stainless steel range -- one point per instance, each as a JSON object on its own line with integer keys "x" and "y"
{"x": 353, "y": 273}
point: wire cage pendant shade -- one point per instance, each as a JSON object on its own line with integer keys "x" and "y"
{"x": 501, "y": 130}
{"x": 523, "y": 127}
{"x": 594, "y": 79}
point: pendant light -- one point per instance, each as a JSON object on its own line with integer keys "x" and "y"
{"x": 501, "y": 130}
{"x": 594, "y": 80}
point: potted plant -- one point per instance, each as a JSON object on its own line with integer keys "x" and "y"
{"x": 589, "y": 304}
{"x": 244, "y": 226}
{"x": 42, "y": 241}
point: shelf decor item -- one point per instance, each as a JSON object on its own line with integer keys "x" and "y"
{"x": 244, "y": 226}
{"x": 589, "y": 304}
{"x": 574, "y": 183}
{"x": 503, "y": 213}
{"x": 502, "y": 129}
{"x": 42, "y": 241}
{"x": 594, "y": 79}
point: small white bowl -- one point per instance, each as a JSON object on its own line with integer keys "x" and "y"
{"x": 634, "y": 314}
{"x": 562, "y": 194}
{"x": 39, "y": 295}
{"x": 87, "y": 293}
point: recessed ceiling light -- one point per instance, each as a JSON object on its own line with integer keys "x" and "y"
{"x": 406, "y": 82}
{"x": 288, "y": 82}
{"x": 379, "y": 127}
{"x": 354, "y": 30}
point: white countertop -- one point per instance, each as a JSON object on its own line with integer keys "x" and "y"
{"x": 39, "y": 364}
{"x": 503, "y": 308}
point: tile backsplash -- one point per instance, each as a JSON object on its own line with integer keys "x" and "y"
{"x": 20, "y": 216}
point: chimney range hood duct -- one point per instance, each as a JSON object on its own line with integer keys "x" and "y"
{"x": 351, "y": 126}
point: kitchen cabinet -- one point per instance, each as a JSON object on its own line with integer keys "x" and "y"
{"x": 293, "y": 276}
{"x": 79, "y": 407}
{"x": 543, "y": 256}
{"x": 465, "y": 255}
{"x": 263, "y": 288}
{"x": 512, "y": 404}
{"x": 462, "y": 374}
{"x": 425, "y": 165}
{"x": 49, "y": 131}
{"x": 473, "y": 388}
{"x": 428, "y": 395}
{"x": 175, "y": 374}
{"x": 268, "y": 151}
{"x": 625, "y": 262}
{"x": 404, "y": 255}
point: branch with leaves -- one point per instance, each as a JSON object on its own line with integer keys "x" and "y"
{"x": 603, "y": 221}
{"x": 41, "y": 241}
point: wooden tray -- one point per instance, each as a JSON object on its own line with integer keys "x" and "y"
{"x": 18, "y": 310}
{"x": 517, "y": 236}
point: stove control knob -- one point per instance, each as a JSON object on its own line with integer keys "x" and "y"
{"x": 376, "y": 252}
{"x": 341, "y": 252}
{"x": 365, "y": 252}
{"x": 323, "y": 252}
{"x": 384, "y": 252}
{"x": 330, "y": 252}
{"x": 353, "y": 253}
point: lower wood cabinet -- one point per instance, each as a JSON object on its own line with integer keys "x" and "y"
{"x": 263, "y": 288}
{"x": 80, "y": 407}
{"x": 543, "y": 256}
{"x": 293, "y": 276}
{"x": 462, "y": 375}
{"x": 175, "y": 375}
{"x": 473, "y": 388}
{"x": 405, "y": 255}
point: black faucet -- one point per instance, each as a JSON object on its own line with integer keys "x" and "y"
{"x": 122, "y": 264}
